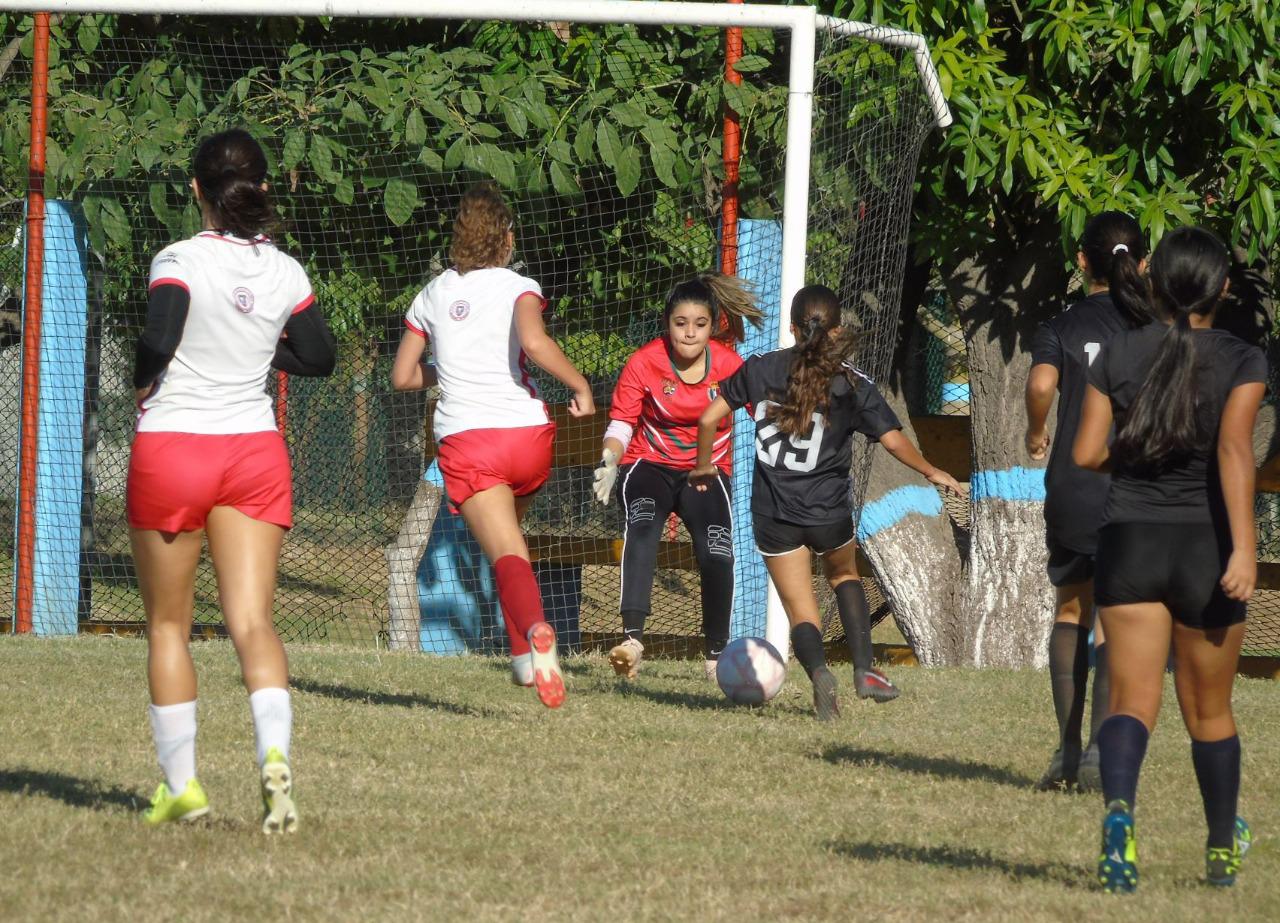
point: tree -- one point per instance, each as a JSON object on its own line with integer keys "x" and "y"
{"x": 1062, "y": 109}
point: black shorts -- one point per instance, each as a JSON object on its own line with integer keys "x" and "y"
{"x": 1068, "y": 566}
{"x": 1178, "y": 564}
{"x": 775, "y": 537}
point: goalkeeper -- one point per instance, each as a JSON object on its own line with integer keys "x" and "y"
{"x": 652, "y": 442}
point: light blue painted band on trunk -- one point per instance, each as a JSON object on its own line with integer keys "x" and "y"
{"x": 895, "y": 506}
{"x": 1019, "y": 484}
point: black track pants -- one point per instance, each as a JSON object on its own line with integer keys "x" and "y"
{"x": 649, "y": 494}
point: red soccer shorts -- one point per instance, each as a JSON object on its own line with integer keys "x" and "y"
{"x": 175, "y": 479}
{"x": 477, "y": 459}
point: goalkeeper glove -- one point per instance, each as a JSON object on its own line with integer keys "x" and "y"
{"x": 605, "y": 475}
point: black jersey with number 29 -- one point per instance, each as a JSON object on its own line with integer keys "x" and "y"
{"x": 805, "y": 479}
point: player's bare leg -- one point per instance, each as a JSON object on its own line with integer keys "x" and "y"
{"x": 166, "y": 566}
{"x": 246, "y": 554}
{"x": 493, "y": 516}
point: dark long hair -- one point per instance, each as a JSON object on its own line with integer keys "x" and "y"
{"x": 1113, "y": 245}
{"x": 1188, "y": 270}
{"x": 815, "y": 311}
{"x": 231, "y": 168}
{"x": 727, "y": 298}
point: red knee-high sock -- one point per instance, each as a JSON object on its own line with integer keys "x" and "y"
{"x": 520, "y": 599}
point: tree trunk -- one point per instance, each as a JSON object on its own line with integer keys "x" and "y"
{"x": 905, "y": 533}
{"x": 1001, "y": 297}
{"x": 403, "y": 556}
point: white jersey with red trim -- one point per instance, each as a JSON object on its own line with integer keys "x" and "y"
{"x": 483, "y": 373}
{"x": 242, "y": 294}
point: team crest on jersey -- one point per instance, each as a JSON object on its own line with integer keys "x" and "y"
{"x": 668, "y": 386}
{"x": 243, "y": 299}
{"x": 713, "y": 390}
{"x": 459, "y": 310}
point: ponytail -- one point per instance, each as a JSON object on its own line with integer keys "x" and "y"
{"x": 1113, "y": 245}
{"x": 819, "y": 355}
{"x": 231, "y": 170}
{"x": 1162, "y": 426}
{"x": 727, "y": 298}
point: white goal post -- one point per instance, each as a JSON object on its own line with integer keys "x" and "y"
{"x": 801, "y": 22}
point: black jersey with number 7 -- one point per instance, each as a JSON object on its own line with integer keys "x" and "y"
{"x": 1071, "y": 342}
{"x": 805, "y": 479}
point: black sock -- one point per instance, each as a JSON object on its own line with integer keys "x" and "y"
{"x": 1069, "y": 675}
{"x": 1122, "y": 744}
{"x": 633, "y": 624}
{"x": 806, "y": 641}
{"x": 1101, "y": 706}
{"x": 855, "y": 618}
{"x": 1217, "y": 765}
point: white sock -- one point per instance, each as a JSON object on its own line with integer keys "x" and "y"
{"x": 174, "y": 729}
{"x": 272, "y": 721}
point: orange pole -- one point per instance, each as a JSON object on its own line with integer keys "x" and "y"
{"x": 732, "y": 149}
{"x": 25, "y": 584}
{"x": 282, "y": 401}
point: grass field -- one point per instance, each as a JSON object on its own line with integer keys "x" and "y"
{"x": 432, "y": 789}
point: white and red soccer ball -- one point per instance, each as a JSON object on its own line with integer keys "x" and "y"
{"x": 750, "y": 671}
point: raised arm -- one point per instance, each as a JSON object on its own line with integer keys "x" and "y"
{"x": 548, "y": 355}
{"x": 902, "y": 449}
{"x": 1236, "y": 471}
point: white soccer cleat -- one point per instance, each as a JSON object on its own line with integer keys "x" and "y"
{"x": 625, "y": 658}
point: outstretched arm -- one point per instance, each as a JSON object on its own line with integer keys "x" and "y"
{"x": 704, "y": 472}
{"x": 901, "y": 448}
{"x": 548, "y": 355}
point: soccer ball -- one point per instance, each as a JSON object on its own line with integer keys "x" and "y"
{"x": 750, "y": 671}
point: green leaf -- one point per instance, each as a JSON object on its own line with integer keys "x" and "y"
{"x": 563, "y": 180}
{"x": 321, "y": 159}
{"x": 629, "y": 114}
{"x": 750, "y": 64}
{"x": 415, "y": 129}
{"x": 400, "y": 198}
{"x": 158, "y": 196}
{"x": 664, "y": 163}
{"x": 345, "y": 191}
{"x": 517, "y": 121}
{"x": 456, "y": 153}
{"x": 430, "y": 159}
{"x": 609, "y": 143}
{"x": 87, "y": 35}
{"x": 583, "y": 145}
{"x": 115, "y": 223}
{"x": 471, "y": 102}
{"x": 295, "y": 148}
{"x": 628, "y": 167}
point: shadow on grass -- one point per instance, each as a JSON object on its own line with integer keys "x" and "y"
{"x": 679, "y": 699}
{"x": 79, "y": 793}
{"x": 965, "y": 859}
{"x": 943, "y": 767}
{"x": 399, "y": 699}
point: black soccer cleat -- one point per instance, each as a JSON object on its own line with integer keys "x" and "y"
{"x": 872, "y": 684}
{"x": 825, "y": 704}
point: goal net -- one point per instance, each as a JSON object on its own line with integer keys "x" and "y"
{"x": 605, "y": 138}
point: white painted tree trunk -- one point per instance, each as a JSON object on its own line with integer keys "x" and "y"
{"x": 403, "y": 556}
{"x": 1008, "y": 590}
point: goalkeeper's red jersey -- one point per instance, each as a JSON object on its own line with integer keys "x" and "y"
{"x": 664, "y": 411}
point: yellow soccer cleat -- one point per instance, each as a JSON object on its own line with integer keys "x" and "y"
{"x": 189, "y": 804}
{"x": 279, "y": 815}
